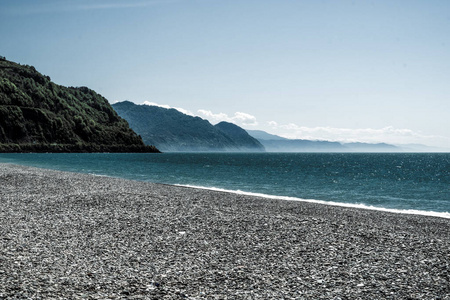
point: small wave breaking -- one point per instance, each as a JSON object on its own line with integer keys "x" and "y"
{"x": 445, "y": 215}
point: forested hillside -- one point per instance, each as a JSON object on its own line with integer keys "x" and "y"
{"x": 37, "y": 115}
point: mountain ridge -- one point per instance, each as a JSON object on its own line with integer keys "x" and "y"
{"x": 173, "y": 131}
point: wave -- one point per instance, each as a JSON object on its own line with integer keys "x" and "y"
{"x": 445, "y": 215}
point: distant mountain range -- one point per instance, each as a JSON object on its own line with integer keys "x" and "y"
{"x": 274, "y": 143}
{"x": 172, "y": 131}
{"x": 37, "y": 115}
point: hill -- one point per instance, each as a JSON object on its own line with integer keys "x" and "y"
{"x": 37, "y": 115}
{"x": 170, "y": 130}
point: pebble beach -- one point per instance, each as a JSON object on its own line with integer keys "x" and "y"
{"x": 76, "y": 236}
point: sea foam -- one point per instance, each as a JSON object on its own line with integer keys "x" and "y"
{"x": 445, "y": 215}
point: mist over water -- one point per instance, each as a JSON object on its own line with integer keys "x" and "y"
{"x": 405, "y": 181}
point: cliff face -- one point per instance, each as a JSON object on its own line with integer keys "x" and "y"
{"x": 37, "y": 115}
{"x": 171, "y": 130}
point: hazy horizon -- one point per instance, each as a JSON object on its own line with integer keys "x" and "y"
{"x": 324, "y": 70}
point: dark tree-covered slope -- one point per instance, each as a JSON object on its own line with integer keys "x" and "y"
{"x": 171, "y": 130}
{"x": 37, "y": 115}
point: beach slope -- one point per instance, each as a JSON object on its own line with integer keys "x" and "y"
{"x": 77, "y": 236}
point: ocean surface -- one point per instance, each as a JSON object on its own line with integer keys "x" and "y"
{"x": 399, "y": 182}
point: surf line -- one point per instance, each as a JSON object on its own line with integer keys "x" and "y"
{"x": 445, "y": 215}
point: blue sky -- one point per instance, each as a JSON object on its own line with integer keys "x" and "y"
{"x": 372, "y": 71}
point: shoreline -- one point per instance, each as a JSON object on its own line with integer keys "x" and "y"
{"x": 75, "y": 235}
{"x": 439, "y": 214}
{"x": 445, "y": 215}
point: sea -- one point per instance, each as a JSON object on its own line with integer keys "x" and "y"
{"x": 411, "y": 183}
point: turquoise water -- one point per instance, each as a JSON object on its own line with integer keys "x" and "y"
{"x": 404, "y": 181}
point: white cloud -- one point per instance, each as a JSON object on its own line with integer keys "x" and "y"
{"x": 239, "y": 118}
{"x": 387, "y": 134}
{"x": 182, "y": 110}
{"x": 246, "y": 119}
{"x": 214, "y": 117}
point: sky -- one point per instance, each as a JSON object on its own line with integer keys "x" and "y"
{"x": 369, "y": 71}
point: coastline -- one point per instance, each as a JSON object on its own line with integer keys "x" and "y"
{"x": 75, "y": 235}
{"x": 445, "y": 215}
